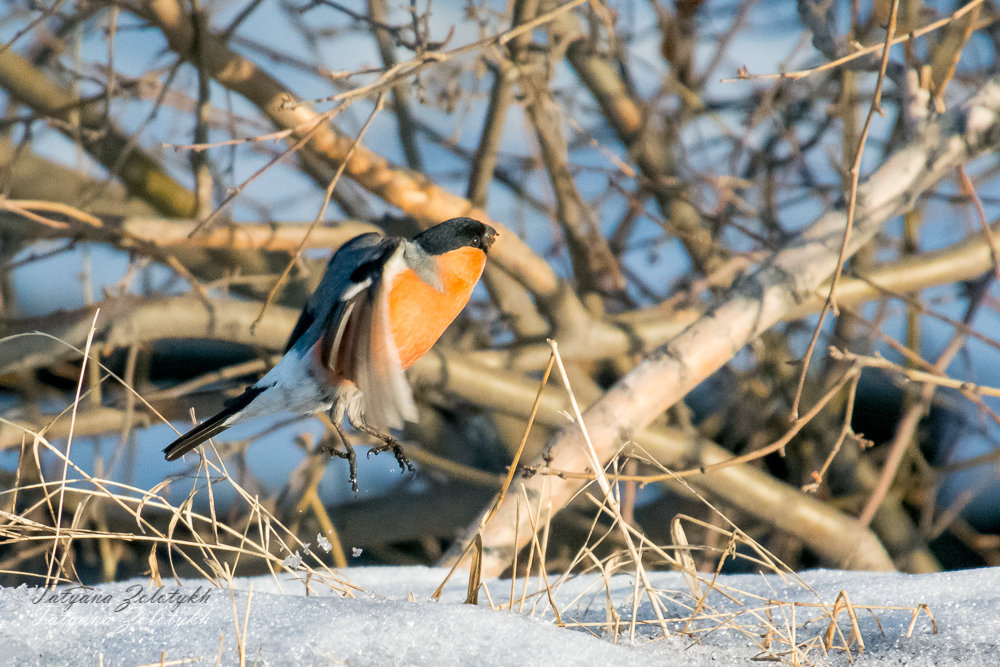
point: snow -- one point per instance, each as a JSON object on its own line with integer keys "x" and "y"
{"x": 392, "y": 621}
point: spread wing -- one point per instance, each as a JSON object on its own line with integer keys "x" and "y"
{"x": 349, "y": 316}
{"x": 338, "y": 280}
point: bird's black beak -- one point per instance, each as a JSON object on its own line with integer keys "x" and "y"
{"x": 489, "y": 236}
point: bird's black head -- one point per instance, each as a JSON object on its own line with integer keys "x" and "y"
{"x": 454, "y": 234}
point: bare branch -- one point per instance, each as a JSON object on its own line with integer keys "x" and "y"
{"x": 140, "y": 173}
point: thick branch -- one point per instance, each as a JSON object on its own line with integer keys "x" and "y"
{"x": 594, "y": 266}
{"x": 641, "y": 330}
{"x": 140, "y": 173}
{"x": 133, "y": 320}
{"x": 137, "y": 233}
{"x": 30, "y": 176}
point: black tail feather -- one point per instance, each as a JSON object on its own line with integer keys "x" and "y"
{"x": 210, "y": 427}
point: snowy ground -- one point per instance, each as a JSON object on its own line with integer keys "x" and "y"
{"x": 392, "y": 622}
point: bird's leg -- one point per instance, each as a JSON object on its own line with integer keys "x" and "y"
{"x": 348, "y": 453}
{"x": 388, "y": 442}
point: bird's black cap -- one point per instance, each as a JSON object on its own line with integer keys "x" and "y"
{"x": 454, "y": 234}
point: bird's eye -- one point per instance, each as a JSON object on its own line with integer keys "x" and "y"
{"x": 476, "y": 242}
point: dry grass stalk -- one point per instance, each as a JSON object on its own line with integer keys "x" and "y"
{"x": 204, "y": 543}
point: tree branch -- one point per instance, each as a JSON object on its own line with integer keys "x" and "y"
{"x": 140, "y": 173}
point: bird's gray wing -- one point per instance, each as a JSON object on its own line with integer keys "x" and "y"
{"x": 349, "y": 314}
{"x": 348, "y": 267}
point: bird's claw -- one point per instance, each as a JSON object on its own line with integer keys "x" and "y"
{"x": 397, "y": 449}
{"x": 352, "y": 461}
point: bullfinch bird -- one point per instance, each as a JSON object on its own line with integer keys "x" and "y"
{"x": 381, "y": 304}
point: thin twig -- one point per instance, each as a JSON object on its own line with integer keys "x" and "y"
{"x": 991, "y": 240}
{"x": 322, "y": 211}
{"x": 852, "y": 201}
{"x": 910, "y": 36}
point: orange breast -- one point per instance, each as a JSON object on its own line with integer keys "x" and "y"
{"x": 419, "y": 313}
